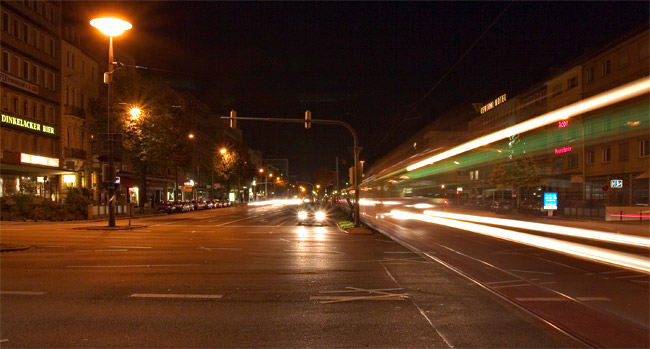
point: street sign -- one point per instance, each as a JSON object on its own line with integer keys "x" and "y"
{"x": 616, "y": 183}
{"x": 550, "y": 201}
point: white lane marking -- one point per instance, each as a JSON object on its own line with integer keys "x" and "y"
{"x": 501, "y": 282}
{"x": 184, "y": 296}
{"x": 219, "y": 248}
{"x": 398, "y": 252}
{"x": 303, "y": 251}
{"x": 12, "y": 229}
{"x": 614, "y": 272}
{"x": 133, "y": 266}
{"x": 589, "y": 299}
{"x": 234, "y": 239}
{"x": 53, "y": 246}
{"x": 237, "y": 220}
{"x": 643, "y": 281}
{"x": 115, "y": 250}
{"x": 530, "y": 271}
{"x": 123, "y": 237}
{"x": 631, "y": 276}
{"x": 505, "y": 286}
{"x": 259, "y": 232}
{"x": 541, "y": 299}
{"x": 4, "y": 340}
{"x": 129, "y": 246}
{"x": 24, "y": 293}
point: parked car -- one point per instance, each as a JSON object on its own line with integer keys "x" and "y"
{"x": 208, "y": 204}
{"x": 501, "y": 207}
{"x": 198, "y": 205}
{"x": 167, "y": 207}
{"x": 180, "y": 206}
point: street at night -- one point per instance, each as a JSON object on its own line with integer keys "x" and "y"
{"x": 265, "y": 174}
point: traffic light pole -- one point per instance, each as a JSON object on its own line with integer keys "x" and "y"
{"x": 356, "y": 150}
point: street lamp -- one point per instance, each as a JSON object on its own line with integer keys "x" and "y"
{"x": 111, "y": 27}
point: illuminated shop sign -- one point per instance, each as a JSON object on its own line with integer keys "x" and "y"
{"x": 26, "y": 124}
{"x": 616, "y": 183}
{"x": 38, "y": 160}
{"x": 563, "y": 150}
{"x": 563, "y": 124}
{"x": 493, "y": 104}
{"x": 15, "y": 82}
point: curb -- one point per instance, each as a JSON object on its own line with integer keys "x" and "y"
{"x": 10, "y": 248}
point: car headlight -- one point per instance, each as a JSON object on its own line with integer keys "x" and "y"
{"x": 320, "y": 215}
{"x": 302, "y": 215}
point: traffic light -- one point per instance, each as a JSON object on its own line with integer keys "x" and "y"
{"x": 233, "y": 119}
{"x": 307, "y": 119}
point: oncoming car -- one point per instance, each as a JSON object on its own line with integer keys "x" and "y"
{"x": 311, "y": 214}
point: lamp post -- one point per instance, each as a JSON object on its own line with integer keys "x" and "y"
{"x": 111, "y": 27}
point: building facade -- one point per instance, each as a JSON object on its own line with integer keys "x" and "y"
{"x": 30, "y": 86}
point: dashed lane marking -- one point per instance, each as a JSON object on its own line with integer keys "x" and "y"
{"x": 530, "y": 271}
{"x": 129, "y": 246}
{"x": 541, "y": 299}
{"x": 303, "y": 251}
{"x": 590, "y": 299}
{"x": 219, "y": 248}
{"x": 631, "y": 276}
{"x": 23, "y": 293}
{"x": 506, "y": 286}
{"x": 182, "y": 296}
{"x": 134, "y": 266}
{"x": 114, "y": 250}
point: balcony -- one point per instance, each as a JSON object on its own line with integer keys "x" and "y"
{"x": 75, "y": 111}
{"x": 74, "y": 153}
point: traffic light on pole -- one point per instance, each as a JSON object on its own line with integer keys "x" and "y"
{"x": 307, "y": 119}
{"x": 233, "y": 119}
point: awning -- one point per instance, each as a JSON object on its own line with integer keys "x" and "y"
{"x": 644, "y": 175}
{"x": 127, "y": 182}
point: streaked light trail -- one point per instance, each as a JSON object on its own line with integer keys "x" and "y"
{"x": 602, "y": 255}
{"x": 548, "y": 228}
{"x": 627, "y": 91}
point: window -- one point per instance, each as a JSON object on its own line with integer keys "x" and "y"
{"x": 606, "y": 67}
{"x": 643, "y": 50}
{"x": 16, "y": 105}
{"x": 15, "y": 33}
{"x": 25, "y": 33}
{"x": 25, "y": 108}
{"x": 644, "y": 148}
{"x": 73, "y": 61}
{"x": 34, "y": 73}
{"x": 92, "y": 73}
{"x": 623, "y": 60}
{"x": 52, "y": 82}
{"x": 572, "y": 82}
{"x": 67, "y": 59}
{"x": 558, "y": 163}
{"x": 607, "y": 154}
{"x": 557, "y": 90}
{"x": 589, "y": 75}
{"x": 52, "y": 53}
{"x": 26, "y": 70}
{"x": 83, "y": 68}
{"x": 5, "y": 21}
{"x": 573, "y": 161}
{"x": 589, "y": 157}
{"x": 623, "y": 151}
{"x": 5, "y": 61}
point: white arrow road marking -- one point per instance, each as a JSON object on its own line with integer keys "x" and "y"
{"x": 374, "y": 295}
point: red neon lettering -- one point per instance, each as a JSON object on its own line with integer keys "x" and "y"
{"x": 563, "y": 150}
{"x": 563, "y": 124}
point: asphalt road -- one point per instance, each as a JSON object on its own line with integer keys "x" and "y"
{"x": 601, "y": 305}
{"x": 244, "y": 277}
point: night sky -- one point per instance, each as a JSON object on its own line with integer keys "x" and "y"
{"x": 367, "y": 63}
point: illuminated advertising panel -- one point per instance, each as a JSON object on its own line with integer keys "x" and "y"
{"x": 38, "y": 160}
{"x": 550, "y": 201}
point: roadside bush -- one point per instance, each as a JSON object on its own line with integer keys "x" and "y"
{"x": 76, "y": 204}
{"x": 21, "y": 206}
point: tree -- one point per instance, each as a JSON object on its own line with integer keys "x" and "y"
{"x": 154, "y": 138}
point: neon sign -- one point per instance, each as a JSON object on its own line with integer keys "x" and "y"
{"x": 563, "y": 124}
{"x": 493, "y": 104}
{"x": 30, "y": 125}
{"x": 563, "y": 150}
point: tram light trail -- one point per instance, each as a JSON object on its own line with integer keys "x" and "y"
{"x": 624, "y": 92}
{"x": 548, "y": 228}
{"x": 624, "y": 260}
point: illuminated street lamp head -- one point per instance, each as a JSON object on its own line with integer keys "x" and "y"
{"x": 111, "y": 26}
{"x": 318, "y": 186}
{"x": 261, "y": 170}
{"x": 190, "y": 136}
{"x": 223, "y": 151}
{"x": 135, "y": 112}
